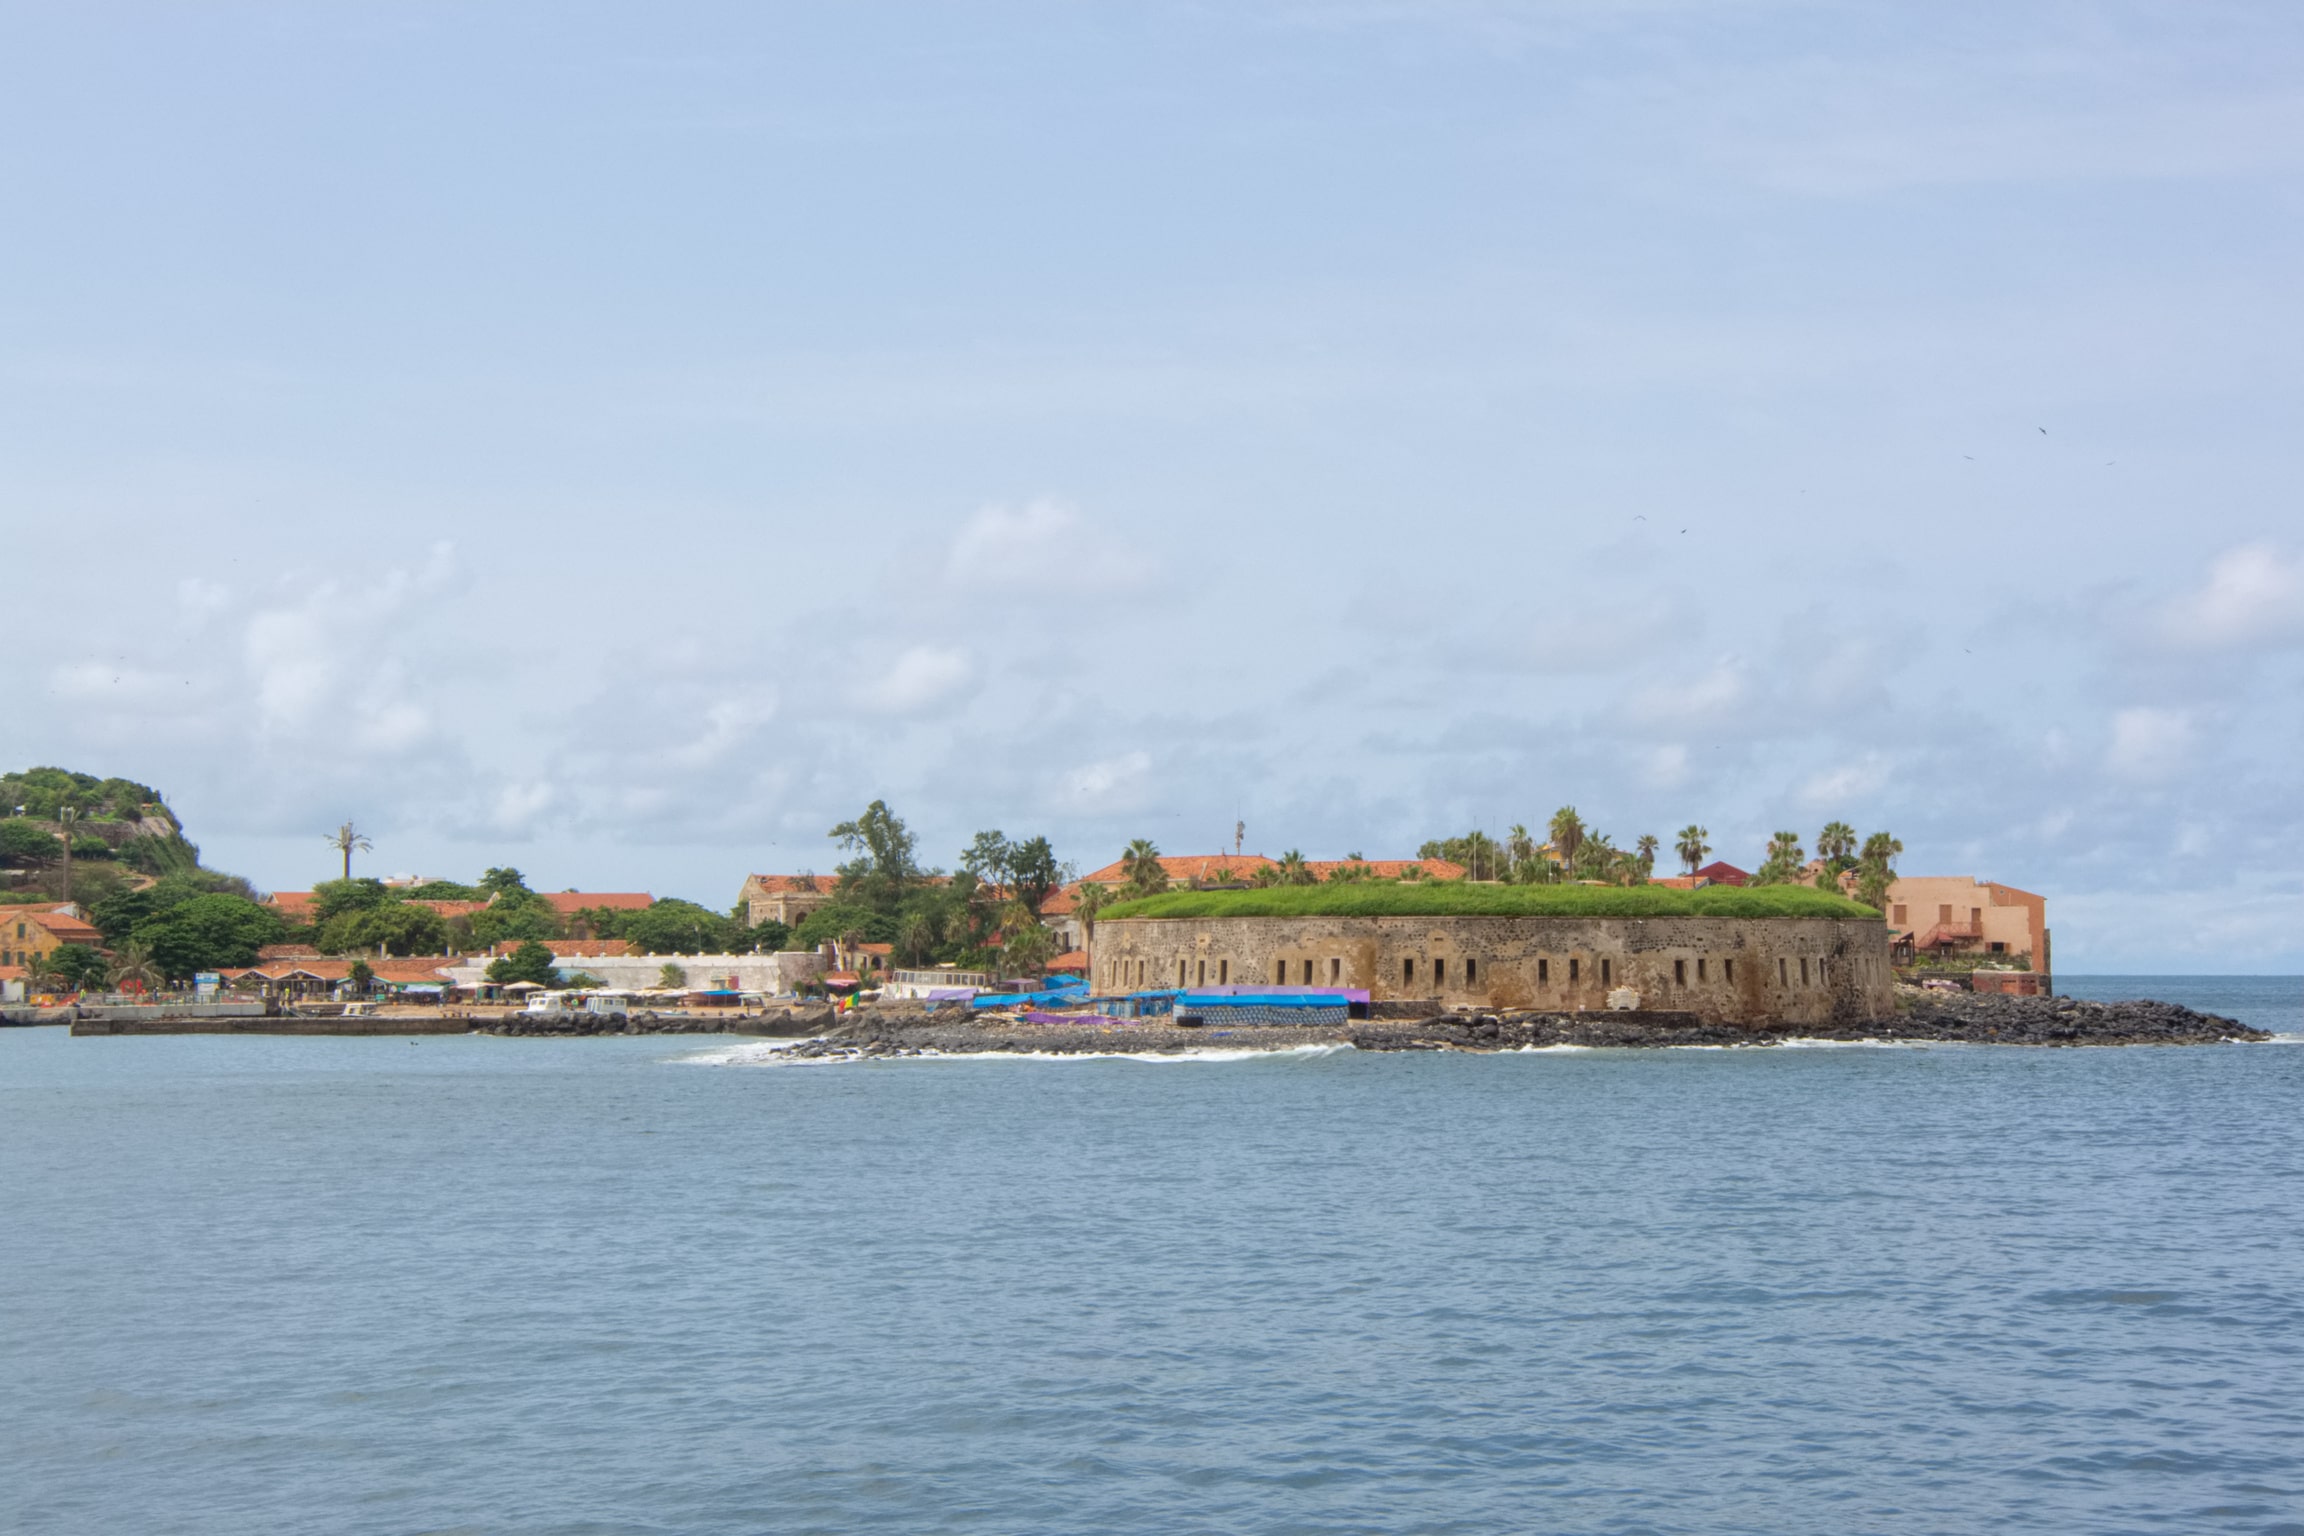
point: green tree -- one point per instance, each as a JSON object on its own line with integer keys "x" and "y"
{"x": 1783, "y": 864}
{"x": 990, "y": 857}
{"x": 1567, "y": 833}
{"x": 916, "y": 937}
{"x": 1876, "y": 870}
{"x": 24, "y": 845}
{"x": 334, "y": 898}
{"x": 132, "y": 968}
{"x": 1519, "y": 848}
{"x": 883, "y": 868}
{"x": 1087, "y": 905}
{"x": 78, "y": 966}
{"x": 530, "y": 962}
{"x": 1141, "y": 863}
{"x": 1294, "y": 869}
{"x": 443, "y": 890}
{"x": 347, "y": 839}
{"x": 1028, "y": 950}
{"x": 361, "y": 976}
{"x": 829, "y": 923}
{"x": 1033, "y": 871}
{"x": 394, "y": 928}
{"x": 670, "y": 927}
{"x": 1692, "y": 847}
{"x": 504, "y": 882}
{"x": 1836, "y": 846}
{"x": 207, "y": 932}
{"x": 671, "y": 977}
{"x": 1647, "y": 846}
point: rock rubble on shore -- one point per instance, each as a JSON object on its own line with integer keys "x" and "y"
{"x": 1969, "y": 1018}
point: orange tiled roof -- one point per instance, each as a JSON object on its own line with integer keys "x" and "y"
{"x": 876, "y": 949}
{"x": 564, "y": 949}
{"x": 806, "y": 885}
{"x": 13, "y": 973}
{"x": 1388, "y": 869}
{"x": 1681, "y": 882}
{"x": 568, "y": 903}
{"x": 452, "y": 908}
{"x": 66, "y": 930}
{"x": 1187, "y": 866}
{"x": 1070, "y": 960}
{"x": 296, "y": 906}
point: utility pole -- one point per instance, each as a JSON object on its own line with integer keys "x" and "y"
{"x": 65, "y": 817}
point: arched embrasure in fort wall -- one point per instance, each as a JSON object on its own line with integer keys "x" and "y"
{"x": 1777, "y": 970}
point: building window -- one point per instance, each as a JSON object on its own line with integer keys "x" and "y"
{"x": 1335, "y": 970}
{"x": 1607, "y": 973}
{"x": 1996, "y": 947}
{"x": 1439, "y": 973}
{"x": 1471, "y": 972}
{"x": 1803, "y": 970}
{"x": 1307, "y": 973}
{"x": 1574, "y": 966}
{"x": 1203, "y": 973}
{"x": 1728, "y": 972}
{"x": 1408, "y": 973}
{"x": 1699, "y": 970}
{"x": 1223, "y": 973}
{"x": 1897, "y": 915}
{"x": 1782, "y": 979}
{"x": 1679, "y": 973}
{"x": 1179, "y": 973}
{"x": 1543, "y": 972}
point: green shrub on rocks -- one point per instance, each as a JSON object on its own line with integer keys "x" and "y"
{"x": 1462, "y": 899}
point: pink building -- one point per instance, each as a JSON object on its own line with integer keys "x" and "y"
{"x": 1941, "y": 915}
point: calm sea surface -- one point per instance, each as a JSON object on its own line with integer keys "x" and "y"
{"x": 260, "y": 1285}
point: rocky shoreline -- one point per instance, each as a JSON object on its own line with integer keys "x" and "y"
{"x": 1966, "y": 1018}
{"x": 915, "y": 1029}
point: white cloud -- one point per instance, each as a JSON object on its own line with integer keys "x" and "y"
{"x": 1041, "y": 540}
{"x": 1110, "y": 783}
{"x": 1713, "y": 696}
{"x": 2253, "y": 595}
{"x": 1849, "y": 781}
{"x": 2149, "y": 744}
{"x": 922, "y": 676}
{"x": 1667, "y": 766}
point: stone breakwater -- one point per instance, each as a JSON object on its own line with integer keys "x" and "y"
{"x": 1967, "y": 1018}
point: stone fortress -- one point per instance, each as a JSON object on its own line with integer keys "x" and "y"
{"x": 1733, "y": 970}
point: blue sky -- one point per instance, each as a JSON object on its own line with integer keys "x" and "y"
{"x": 621, "y": 441}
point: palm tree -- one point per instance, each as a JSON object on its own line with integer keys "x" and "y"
{"x": 1783, "y": 863}
{"x": 1028, "y": 950}
{"x": 1647, "y": 846}
{"x": 1836, "y": 841}
{"x": 1691, "y": 847}
{"x": 1293, "y": 869}
{"x": 1519, "y": 848}
{"x": 1567, "y": 830}
{"x": 43, "y": 974}
{"x": 1146, "y": 876}
{"x": 132, "y": 962}
{"x": 344, "y": 840}
{"x": 916, "y": 937}
{"x": 1876, "y": 870}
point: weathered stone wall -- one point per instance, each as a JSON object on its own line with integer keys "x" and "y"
{"x": 1732, "y": 970}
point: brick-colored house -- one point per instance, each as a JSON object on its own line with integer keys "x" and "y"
{"x": 786, "y": 899}
{"x": 29, "y": 931}
{"x": 1943, "y": 915}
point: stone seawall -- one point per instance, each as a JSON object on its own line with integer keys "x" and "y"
{"x": 1750, "y": 971}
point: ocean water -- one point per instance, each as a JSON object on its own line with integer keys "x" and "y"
{"x": 611, "y": 1286}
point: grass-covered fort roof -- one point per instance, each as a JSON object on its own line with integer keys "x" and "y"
{"x": 1456, "y": 898}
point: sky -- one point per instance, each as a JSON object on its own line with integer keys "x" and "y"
{"x": 622, "y": 441}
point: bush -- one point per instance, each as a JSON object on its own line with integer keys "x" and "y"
{"x": 24, "y": 845}
{"x": 1460, "y": 899}
{"x": 530, "y": 962}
